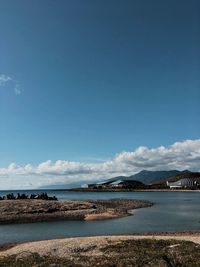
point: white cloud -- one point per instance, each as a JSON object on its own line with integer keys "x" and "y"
{"x": 6, "y": 80}
{"x": 181, "y": 155}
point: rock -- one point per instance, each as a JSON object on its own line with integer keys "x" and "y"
{"x": 42, "y": 196}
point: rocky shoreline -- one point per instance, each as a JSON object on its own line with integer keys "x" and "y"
{"x": 37, "y": 210}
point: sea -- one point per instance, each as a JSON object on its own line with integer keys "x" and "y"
{"x": 172, "y": 211}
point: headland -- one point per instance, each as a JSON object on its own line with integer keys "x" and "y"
{"x": 39, "y": 210}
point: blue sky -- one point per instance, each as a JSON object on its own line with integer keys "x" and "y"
{"x": 87, "y": 80}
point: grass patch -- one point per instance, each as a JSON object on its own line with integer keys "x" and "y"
{"x": 149, "y": 252}
{"x": 34, "y": 260}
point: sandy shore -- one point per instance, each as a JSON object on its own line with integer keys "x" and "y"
{"x": 88, "y": 245}
{"x": 29, "y": 211}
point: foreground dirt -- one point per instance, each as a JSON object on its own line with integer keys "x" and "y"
{"x": 29, "y": 211}
{"x": 161, "y": 250}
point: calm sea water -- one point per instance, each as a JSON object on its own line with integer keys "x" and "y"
{"x": 173, "y": 211}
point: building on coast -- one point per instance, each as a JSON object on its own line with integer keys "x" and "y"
{"x": 118, "y": 183}
{"x": 182, "y": 183}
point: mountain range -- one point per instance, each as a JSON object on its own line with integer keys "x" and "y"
{"x": 144, "y": 176}
{"x": 151, "y": 177}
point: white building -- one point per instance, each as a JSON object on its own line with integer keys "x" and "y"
{"x": 182, "y": 183}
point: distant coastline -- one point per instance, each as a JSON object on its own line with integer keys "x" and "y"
{"x": 125, "y": 190}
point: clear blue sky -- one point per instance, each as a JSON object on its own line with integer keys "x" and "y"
{"x": 97, "y": 77}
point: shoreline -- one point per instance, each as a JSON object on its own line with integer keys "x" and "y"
{"x": 145, "y": 235}
{"x": 30, "y": 211}
{"x": 125, "y": 190}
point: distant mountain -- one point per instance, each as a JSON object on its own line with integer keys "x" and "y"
{"x": 146, "y": 177}
{"x": 149, "y": 177}
{"x": 65, "y": 186}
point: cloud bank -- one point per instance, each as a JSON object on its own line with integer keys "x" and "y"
{"x": 7, "y": 80}
{"x": 181, "y": 155}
